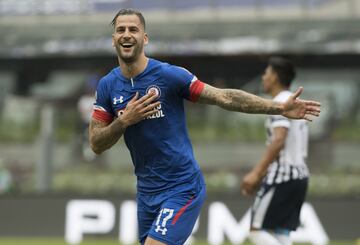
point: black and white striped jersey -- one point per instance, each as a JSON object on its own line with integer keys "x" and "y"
{"x": 291, "y": 162}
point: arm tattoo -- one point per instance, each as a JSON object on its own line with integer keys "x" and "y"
{"x": 103, "y": 136}
{"x": 238, "y": 100}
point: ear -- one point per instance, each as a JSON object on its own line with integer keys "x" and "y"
{"x": 146, "y": 38}
{"x": 276, "y": 78}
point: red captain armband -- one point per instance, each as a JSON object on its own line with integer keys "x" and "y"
{"x": 195, "y": 90}
{"x": 101, "y": 114}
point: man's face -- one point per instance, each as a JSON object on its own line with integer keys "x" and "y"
{"x": 129, "y": 37}
{"x": 269, "y": 79}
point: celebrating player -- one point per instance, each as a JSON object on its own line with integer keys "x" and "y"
{"x": 282, "y": 169}
{"x": 142, "y": 99}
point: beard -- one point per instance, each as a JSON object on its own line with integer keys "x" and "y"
{"x": 130, "y": 56}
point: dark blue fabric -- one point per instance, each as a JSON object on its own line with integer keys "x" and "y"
{"x": 170, "y": 216}
{"x": 160, "y": 147}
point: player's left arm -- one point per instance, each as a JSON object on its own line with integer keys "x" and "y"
{"x": 239, "y": 100}
{"x": 252, "y": 180}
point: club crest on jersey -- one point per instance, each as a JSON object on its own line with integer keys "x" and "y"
{"x": 154, "y": 89}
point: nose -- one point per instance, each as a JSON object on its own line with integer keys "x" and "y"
{"x": 126, "y": 33}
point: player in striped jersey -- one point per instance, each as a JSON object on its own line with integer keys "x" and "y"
{"x": 282, "y": 169}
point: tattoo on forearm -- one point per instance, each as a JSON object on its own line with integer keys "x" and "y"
{"x": 102, "y": 137}
{"x": 238, "y": 100}
{"x": 249, "y": 103}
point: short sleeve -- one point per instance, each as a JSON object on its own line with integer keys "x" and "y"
{"x": 183, "y": 82}
{"x": 279, "y": 121}
{"x": 102, "y": 106}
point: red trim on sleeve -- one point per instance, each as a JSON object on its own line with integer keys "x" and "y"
{"x": 181, "y": 211}
{"x": 102, "y": 116}
{"x": 195, "y": 90}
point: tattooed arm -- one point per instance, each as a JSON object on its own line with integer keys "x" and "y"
{"x": 103, "y": 135}
{"x": 238, "y": 100}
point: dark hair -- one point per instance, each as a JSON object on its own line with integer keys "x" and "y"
{"x": 284, "y": 69}
{"x": 129, "y": 12}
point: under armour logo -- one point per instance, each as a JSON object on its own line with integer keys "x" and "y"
{"x": 163, "y": 231}
{"x": 120, "y": 100}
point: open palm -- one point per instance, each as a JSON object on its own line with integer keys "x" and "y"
{"x": 296, "y": 108}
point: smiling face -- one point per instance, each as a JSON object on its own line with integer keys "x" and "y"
{"x": 129, "y": 38}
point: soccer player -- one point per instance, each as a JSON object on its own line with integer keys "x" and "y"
{"x": 282, "y": 168}
{"x": 142, "y": 100}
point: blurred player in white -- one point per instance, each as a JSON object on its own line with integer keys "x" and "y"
{"x": 282, "y": 170}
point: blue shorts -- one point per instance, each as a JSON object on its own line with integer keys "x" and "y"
{"x": 169, "y": 217}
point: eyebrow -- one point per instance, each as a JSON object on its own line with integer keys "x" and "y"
{"x": 127, "y": 26}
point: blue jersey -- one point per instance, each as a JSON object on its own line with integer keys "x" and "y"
{"x": 159, "y": 145}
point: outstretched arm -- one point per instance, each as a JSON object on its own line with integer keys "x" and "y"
{"x": 239, "y": 100}
{"x": 103, "y": 135}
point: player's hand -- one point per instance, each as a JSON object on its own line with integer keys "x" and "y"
{"x": 250, "y": 183}
{"x": 139, "y": 109}
{"x": 295, "y": 108}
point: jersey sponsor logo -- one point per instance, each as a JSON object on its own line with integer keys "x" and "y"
{"x": 154, "y": 89}
{"x": 119, "y": 100}
{"x": 158, "y": 114}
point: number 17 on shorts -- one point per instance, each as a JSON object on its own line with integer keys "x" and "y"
{"x": 176, "y": 218}
{"x": 163, "y": 218}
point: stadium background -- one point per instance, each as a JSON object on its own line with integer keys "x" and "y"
{"x": 52, "y": 53}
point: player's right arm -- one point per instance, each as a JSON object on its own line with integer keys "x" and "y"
{"x": 103, "y": 135}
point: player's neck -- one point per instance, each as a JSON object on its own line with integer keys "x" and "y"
{"x": 130, "y": 70}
